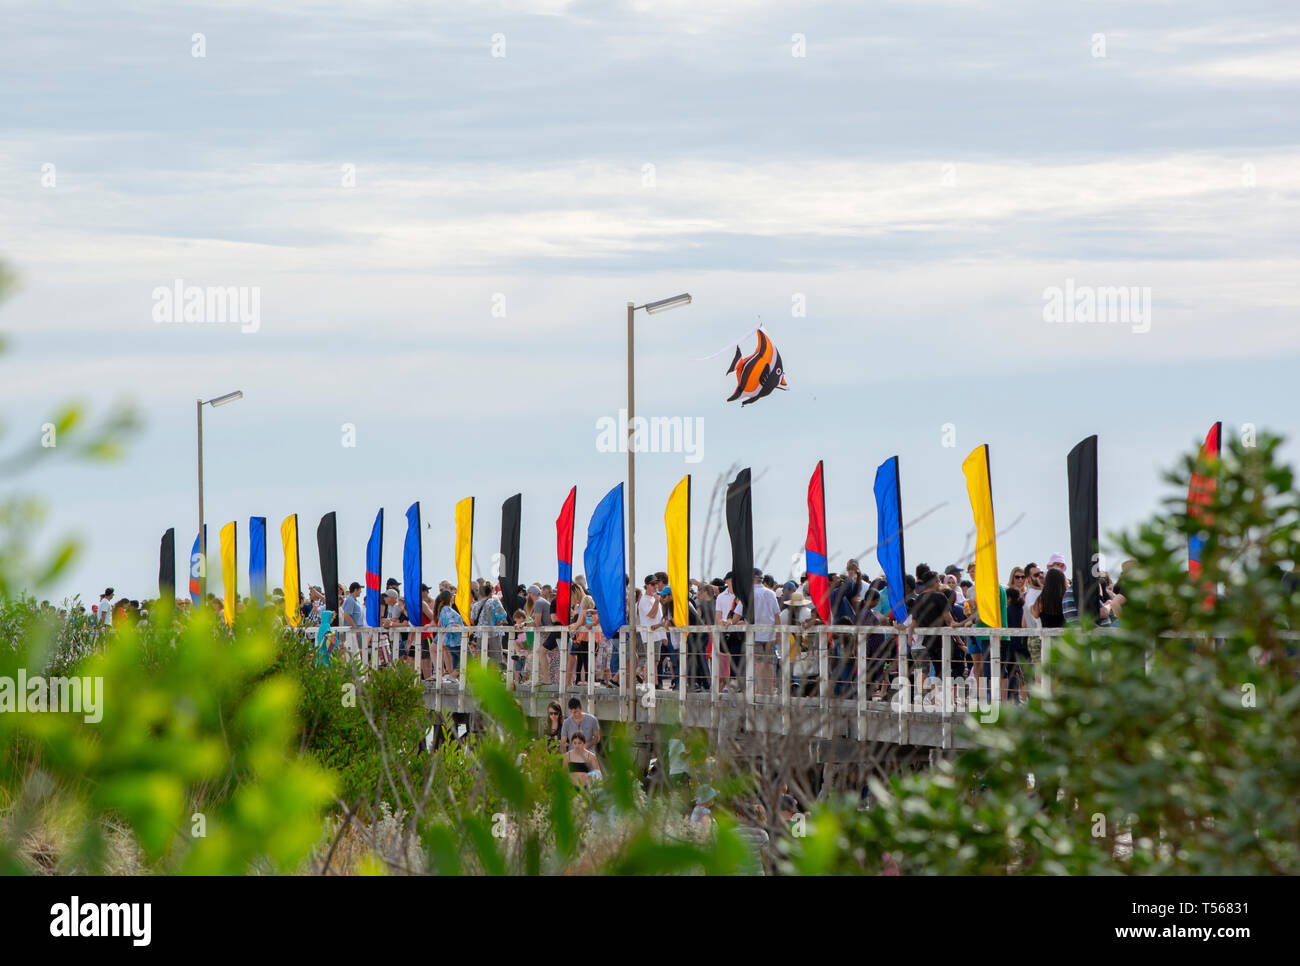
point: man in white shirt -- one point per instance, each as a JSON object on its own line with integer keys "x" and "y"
{"x": 650, "y": 615}
{"x": 767, "y": 610}
{"x": 105, "y": 613}
{"x": 1033, "y": 590}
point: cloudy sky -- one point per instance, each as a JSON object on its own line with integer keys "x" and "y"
{"x": 444, "y": 208}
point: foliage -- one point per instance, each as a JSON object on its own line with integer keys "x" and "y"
{"x": 1169, "y": 747}
{"x": 194, "y": 753}
{"x": 348, "y": 723}
{"x": 56, "y": 643}
{"x": 502, "y": 803}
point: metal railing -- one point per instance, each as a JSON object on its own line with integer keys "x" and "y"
{"x": 775, "y": 674}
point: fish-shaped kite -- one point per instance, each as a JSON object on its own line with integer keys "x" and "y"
{"x": 758, "y": 374}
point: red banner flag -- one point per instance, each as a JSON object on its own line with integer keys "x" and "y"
{"x": 564, "y": 554}
{"x": 1200, "y": 494}
{"x": 815, "y": 546}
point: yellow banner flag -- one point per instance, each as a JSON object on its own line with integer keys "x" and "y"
{"x": 677, "y": 523}
{"x": 229, "y": 571}
{"x": 464, "y": 553}
{"x": 289, "y": 537}
{"x": 988, "y": 597}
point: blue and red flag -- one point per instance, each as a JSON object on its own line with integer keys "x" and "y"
{"x": 564, "y": 554}
{"x": 1200, "y": 494}
{"x": 198, "y": 569}
{"x": 815, "y": 546}
{"x": 374, "y": 560}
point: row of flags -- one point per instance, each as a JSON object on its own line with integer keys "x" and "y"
{"x": 604, "y": 557}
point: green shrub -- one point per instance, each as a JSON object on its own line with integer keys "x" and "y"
{"x": 1170, "y": 747}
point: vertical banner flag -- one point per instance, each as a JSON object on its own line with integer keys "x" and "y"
{"x": 374, "y": 561}
{"x": 229, "y": 572}
{"x": 1200, "y": 494}
{"x": 464, "y": 554}
{"x": 198, "y": 570}
{"x": 327, "y": 548}
{"x": 292, "y": 588}
{"x": 740, "y": 528}
{"x": 889, "y": 535}
{"x": 677, "y": 526}
{"x": 564, "y": 557}
{"x": 167, "y": 567}
{"x": 257, "y": 558}
{"x": 508, "y": 576}
{"x": 605, "y": 563}
{"x": 988, "y": 592}
{"x": 819, "y": 583}
{"x": 1081, "y": 467}
{"x": 411, "y": 575}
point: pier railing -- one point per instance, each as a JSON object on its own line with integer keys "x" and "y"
{"x": 764, "y": 677}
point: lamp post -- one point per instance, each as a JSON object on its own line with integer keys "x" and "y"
{"x": 203, "y": 542}
{"x": 650, "y": 308}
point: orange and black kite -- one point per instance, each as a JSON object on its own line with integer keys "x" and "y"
{"x": 758, "y": 374}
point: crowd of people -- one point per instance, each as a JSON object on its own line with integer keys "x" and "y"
{"x": 785, "y": 621}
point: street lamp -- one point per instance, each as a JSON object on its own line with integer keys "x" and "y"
{"x": 203, "y": 541}
{"x": 651, "y": 308}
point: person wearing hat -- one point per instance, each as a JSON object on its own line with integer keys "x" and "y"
{"x": 668, "y": 649}
{"x": 702, "y": 814}
{"x": 392, "y": 613}
{"x": 799, "y": 615}
{"x": 354, "y": 614}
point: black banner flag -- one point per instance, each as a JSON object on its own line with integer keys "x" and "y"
{"x": 167, "y": 566}
{"x": 1082, "y": 467}
{"x": 740, "y": 527}
{"x": 509, "y": 573}
{"x": 327, "y": 546}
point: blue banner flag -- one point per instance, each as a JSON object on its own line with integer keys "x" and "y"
{"x": 889, "y": 534}
{"x": 374, "y": 560}
{"x": 604, "y": 562}
{"x": 411, "y": 565}
{"x": 257, "y": 558}
{"x": 198, "y": 570}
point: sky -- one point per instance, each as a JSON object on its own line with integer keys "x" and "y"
{"x": 443, "y": 209}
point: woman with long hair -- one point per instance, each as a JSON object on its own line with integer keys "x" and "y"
{"x": 448, "y": 616}
{"x": 554, "y": 724}
{"x": 583, "y": 765}
{"x": 1049, "y": 607}
{"x": 583, "y": 626}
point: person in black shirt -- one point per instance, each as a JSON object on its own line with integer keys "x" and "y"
{"x": 1016, "y": 649}
{"x": 932, "y": 609}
